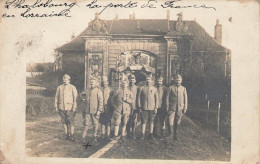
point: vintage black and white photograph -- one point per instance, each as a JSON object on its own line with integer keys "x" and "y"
{"x": 128, "y": 79}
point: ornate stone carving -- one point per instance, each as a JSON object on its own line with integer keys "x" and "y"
{"x": 135, "y": 60}
{"x": 138, "y": 63}
{"x": 95, "y": 65}
{"x": 175, "y": 64}
{"x": 179, "y": 16}
{"x": 180, "y": 25}
{"x": 97, "y": 26}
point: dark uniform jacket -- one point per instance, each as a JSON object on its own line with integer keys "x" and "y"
{"x": 177, "y": 98}
{"x": 120, "y": 106}
{"x": 148, "y": 98}
{"x": 162, "y": 95}
{"x": 92, "y": 100}
{"x": 106, "y": 97}
{"x": 135, "y": 91}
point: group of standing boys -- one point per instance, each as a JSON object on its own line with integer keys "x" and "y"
{"x": 156, "y": 105}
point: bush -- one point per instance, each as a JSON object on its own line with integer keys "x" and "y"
{"x": 37, "y": 105}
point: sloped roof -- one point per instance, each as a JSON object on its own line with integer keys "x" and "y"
{"x": 76, "y": 44}
{"x": 202, "y": 41}
{"x": 138, "y": 26}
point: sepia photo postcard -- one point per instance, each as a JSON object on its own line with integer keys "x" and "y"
{"x": 129, "y": 81}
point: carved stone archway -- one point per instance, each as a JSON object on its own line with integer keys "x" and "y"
{"x": 137, "y": 62}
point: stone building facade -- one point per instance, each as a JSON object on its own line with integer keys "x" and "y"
{"x": 116, "y": 48}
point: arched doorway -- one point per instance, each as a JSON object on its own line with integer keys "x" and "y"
{"x": 137, "y": 62}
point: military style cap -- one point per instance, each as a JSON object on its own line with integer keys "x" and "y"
{"x": 177, "y": 76}
{"x": 149, "y": 76}
{"x": 66, "y": 76}
{"x": 131, "y": 76}
{"x": 104, "y": 79}
{"x": 93, "y": 78}
{"x": 159, "y": 78}
{"x": 124, "y": 81}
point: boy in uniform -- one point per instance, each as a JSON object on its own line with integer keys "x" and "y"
{"x": 93, "y": 107}
{"x": 121, "y": 102}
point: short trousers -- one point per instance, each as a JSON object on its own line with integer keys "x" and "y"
{"x": 160, "y": 119}
{"x": 174, "y": 116}
{"x": 120, "y": 118}
{"x": 67, "y": 117}
{"x": 162, "y": 115}
{"x": 147, "y": 115}
{"x": 105, "y": 118}
{"x": 133, "y": 118}
{"x": 90, "y": 119}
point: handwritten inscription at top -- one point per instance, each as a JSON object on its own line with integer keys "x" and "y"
{"x": 173, "y": 4}
{"x": 94, "y": 4}
{"x": 49, "y": 8}
{"x": 58, "y": 9}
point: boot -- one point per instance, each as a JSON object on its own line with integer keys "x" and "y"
{"x": 84, "y": 133}
{"x": 128, "y": 127}
{"x": 72, "y": 138}
{"x": 152, "y": 137}
{"x": 67, "y": 136}
{"x": 95, "y": 133}
{"x": 171, "y": 132}
{"x": 103, "y": 132}
{"x": 68, "y": 132}
{"x": 95, "y": 139}
{"x": 108, "y": 132}
{"x": 133, "y": 133}
{"x": 176, "y": 132}
{"x": 123, "y": 138}
{"x": 103, "y": 136}
{"x": 72, "y": 134}
{"x": 115, "y": 133}
{"x": 163, "y": 133}
{"x": 142, "y": 137}
{"x": 133, "y": 130}
{"x": 143, "y": 131}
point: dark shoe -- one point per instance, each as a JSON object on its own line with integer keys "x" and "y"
{"x": 67, "y": 137}
{"x": 123, "y": 138}
{"x": 72, "y": 138}
{"x": 103, "y": 137}
{"x": 107, "y": 138}
{"x": 176, "y": 132}
{"x": 83, "y": 140}
{"x": 114, "y": 138}
{"x": 176, "y": 138}
{"x": 171, "y": 128}
{"x": 152, "y": 137}
{"x": 95, "y": 139}
{"x": 162, "y": 137}
{"x": 170, "y": 137}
